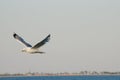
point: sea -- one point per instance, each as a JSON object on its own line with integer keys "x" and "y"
{"x": 62, "y": 78}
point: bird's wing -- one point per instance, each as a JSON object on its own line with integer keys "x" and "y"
{"x": 21, "y": 40}
{"x": 42, "y": 42}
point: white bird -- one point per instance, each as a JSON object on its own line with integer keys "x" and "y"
{"x": 29, "y": 48}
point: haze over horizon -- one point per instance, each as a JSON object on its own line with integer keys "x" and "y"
{"x": 85, "y": 35}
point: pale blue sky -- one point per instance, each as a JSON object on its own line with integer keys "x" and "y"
{"x": 85, "y": 35}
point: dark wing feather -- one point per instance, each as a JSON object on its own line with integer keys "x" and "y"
{"x": 42, "y": 42}
{"x": 21, "y": 40}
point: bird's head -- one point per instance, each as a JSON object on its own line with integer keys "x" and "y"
{"x": 23, "y": 50}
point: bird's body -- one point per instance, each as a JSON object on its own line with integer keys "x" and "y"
{"x": 29, "y": 48}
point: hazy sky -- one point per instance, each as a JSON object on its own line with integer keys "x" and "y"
{"x": 85, "y": 35}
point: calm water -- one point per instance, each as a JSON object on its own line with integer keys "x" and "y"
{"x": 63, "y": 78}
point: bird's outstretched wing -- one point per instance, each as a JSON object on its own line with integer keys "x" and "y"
{"x": 42, "y": 42}
{"x": 21, "y": 40}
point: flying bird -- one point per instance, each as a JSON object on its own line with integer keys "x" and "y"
{"x": 29, "y": 48}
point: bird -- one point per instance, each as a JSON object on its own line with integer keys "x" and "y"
{"x": 28, "y": 47}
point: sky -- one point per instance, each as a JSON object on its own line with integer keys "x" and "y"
{"x": 85, "y": 35}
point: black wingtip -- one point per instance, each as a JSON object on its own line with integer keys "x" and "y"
{"x": 49, "y": 35}
{"x": 14, "y": 34}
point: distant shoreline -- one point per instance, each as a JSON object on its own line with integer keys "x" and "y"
{"x": 53, "y": 76}
{"x": 82, "y": 73}
{"x": 57, "y": 75}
